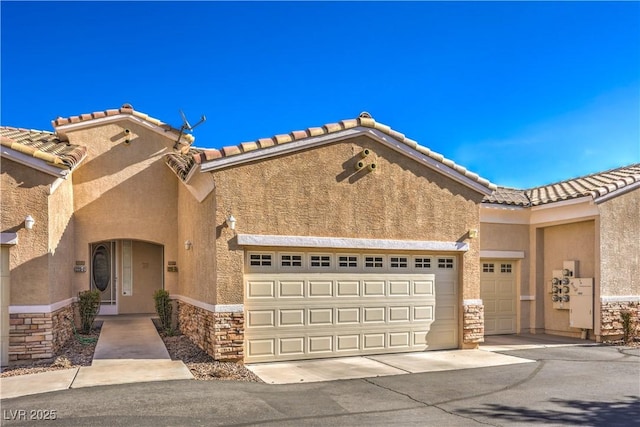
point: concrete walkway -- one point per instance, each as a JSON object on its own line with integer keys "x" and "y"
{"x": 129, "y": 350}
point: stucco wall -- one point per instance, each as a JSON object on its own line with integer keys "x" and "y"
{"x": 124, "y": 191}
{"x": 620, "y": 245}
{"x": 61, "y": 246}
{"x": 197, "y": 266}
{"x": 575, "y": 241}
{"x": 317, "y": 192}
{"x": 24, "y": 192}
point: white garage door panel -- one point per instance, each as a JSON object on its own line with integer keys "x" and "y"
{"x": 305, "y": 315}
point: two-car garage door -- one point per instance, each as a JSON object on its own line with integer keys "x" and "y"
{"x": 302, "y": 305}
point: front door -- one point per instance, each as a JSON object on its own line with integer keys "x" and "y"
{"x": 104, "y": 275}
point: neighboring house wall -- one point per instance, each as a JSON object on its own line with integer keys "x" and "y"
{"x": 619, "y": 261}
{"x": 573, "y": 241}
{"x": 124, "y": 191}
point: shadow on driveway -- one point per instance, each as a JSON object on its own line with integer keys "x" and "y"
{"x": 624, "y": 412}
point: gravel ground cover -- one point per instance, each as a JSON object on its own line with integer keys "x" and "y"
{"x": 76, "y": 354}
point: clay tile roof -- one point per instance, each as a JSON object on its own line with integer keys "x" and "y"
{"x": 125, "y": 109}
{"x": 46, "y": 146}
{"x": 595, "y": 185}
{"x": 182, "y": 163}
{"x": 363, "y": 120}
{"x": 508, "y": 196}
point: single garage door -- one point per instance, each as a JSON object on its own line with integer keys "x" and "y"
{"x": 498, "y": 293}
{"x": 304, "y": 305}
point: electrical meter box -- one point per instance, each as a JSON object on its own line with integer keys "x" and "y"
{"x": 581, "y": 295}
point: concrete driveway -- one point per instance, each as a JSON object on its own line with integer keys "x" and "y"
{"x": 341, "y": 368}
{"x": 574, "y": 385}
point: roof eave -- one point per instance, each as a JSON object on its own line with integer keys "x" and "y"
{"x": 164, "y": 130}
{"x": 37, "y": 164}
{"x": 617, "y": 192}
{"x": 290, "y": 147}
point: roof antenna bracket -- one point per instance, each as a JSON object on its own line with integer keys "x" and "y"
{"x": 187, "y": 126}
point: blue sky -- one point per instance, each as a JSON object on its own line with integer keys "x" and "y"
{"x": 522, "y": 93}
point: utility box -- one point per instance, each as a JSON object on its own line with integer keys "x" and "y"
{"x": 581, "y": 294}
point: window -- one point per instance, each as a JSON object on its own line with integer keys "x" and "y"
{"x": 373, "y": 262}
{"x": 505, "y": 268}
{"x": 487, "y": 268}
{"x": 291, "y": 260}
{"x": 445, "y": 263}
{"x": 398, "y": 262}
{"x": 260, "y": 260}
{"x": 320, "y": 261}
{"x": 348, "y": 261}
{"x": 422, "y": 262}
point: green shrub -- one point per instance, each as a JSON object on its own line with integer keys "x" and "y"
{"x": 88, "y": 304}
{"x": 163, "y": 308}
{"x": 626, "y": 325}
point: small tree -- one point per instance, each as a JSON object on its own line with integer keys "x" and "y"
{"x": 88, "y": 304}
{"x": 163, "y": 308}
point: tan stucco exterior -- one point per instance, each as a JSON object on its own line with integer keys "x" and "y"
{"x": 317, "y": 192}
{"x": 620, "y": 245}
{"x": 575, "y": 241}
{"x": 61, "y": 242}
{"x": 25, "y": 192}
{"x": 124, "y": 191}
{"x": 198, "y": 265}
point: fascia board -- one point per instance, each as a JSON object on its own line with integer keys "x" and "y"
{"x": 618, "y": 192}
{"x": 428, "y": 161}
{"x": 168, "y": 133}
{"x": 277, "y": 150}
{"x": 34, "y": 163}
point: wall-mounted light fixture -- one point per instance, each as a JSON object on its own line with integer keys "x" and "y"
{"x": 29, "y": 222}
{"x": 473, "y": 233}
{"x": 231, "y": 222}
{"x": 188, "y": 245}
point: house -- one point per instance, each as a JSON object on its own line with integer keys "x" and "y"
{"x": 344, "y": 239}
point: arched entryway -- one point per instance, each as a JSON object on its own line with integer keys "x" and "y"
{"x": 127, "y": 273}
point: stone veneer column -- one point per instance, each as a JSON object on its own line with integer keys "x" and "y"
{"x": 38, "y": 335}
{"x": 611, "y": 321}
{"x": 221, "y": 335}
{"x": 472, "y": 323}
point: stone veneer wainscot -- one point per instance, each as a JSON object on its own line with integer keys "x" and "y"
{"x": 611, "y": 321}
{"x": 39, "y": 335}
{"x": 221, "y": 335}
{"x": 473, "y": 324}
